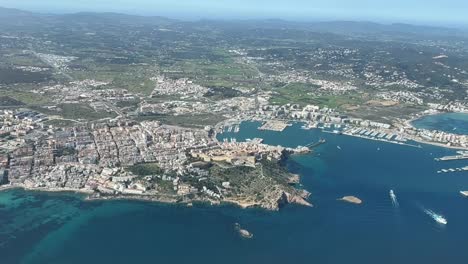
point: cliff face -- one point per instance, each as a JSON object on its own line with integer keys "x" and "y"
{"x": 299, "y": 198}
{"x": 280, "y": 198}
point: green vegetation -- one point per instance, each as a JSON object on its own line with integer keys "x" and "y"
{"x": 303, "y": 94}
{"x": 76, "y": 112}
{"x": 6, "y": 101}
{"x": 193, "y": 121}
{"x": 294, "y": 93}
{"x": 27, "y": 98}
{"x": 215, "y": 74}
{"x": 134, "y": 78}
{"x": 251, "y": 180}
{"x": 219, "y": 93}
{"x": 237, "y": 175}
{"x": 145, "y": 169}
{"x": 59, "y": 123}
{"x": 11, "y": 76}
{"x": 337, "y": 101}
{"x": 66, "y": 151}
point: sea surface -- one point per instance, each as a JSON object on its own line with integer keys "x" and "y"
{"x": 456, "y": 123}
{"x": 63, "y": 229}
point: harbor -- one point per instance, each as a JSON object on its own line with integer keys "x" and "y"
{"x": 378, "y": 135}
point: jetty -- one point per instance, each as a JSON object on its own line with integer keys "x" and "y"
{"x": 453, "y": 170}
{"x": 315, "y": 144}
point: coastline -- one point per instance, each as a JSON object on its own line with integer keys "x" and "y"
{"x": 243, "y": 203}
{"x": 410, "y": 145}
{"x": 44, "y": 190}
{"x": 406, "y": 122}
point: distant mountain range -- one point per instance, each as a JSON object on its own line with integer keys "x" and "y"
{"x": 22, "y": 19}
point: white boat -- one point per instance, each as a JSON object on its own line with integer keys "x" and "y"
{"x": 394, "y": 199}
{"x": 338, "y": 147}
{"x": 438, "y": 218}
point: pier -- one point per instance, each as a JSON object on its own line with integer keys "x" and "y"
{"x": 313, "y": 145}
{"x": 366, "y": 135}
{"x": 274, "y": 125}
{"x": 453, "y": 170}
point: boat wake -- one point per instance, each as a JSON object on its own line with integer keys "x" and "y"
{"x": 438, "y": 218}
{"x": 394, "y": 199}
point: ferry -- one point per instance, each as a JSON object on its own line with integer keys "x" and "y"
{"x": 438, "y": 218}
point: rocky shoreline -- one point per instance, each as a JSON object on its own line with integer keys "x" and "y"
{"x": 273, "y": 204}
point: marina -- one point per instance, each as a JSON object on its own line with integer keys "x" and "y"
{"x": 378, "y": 136}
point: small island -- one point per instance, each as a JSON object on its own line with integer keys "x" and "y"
{"x": 243, "y": 232}
{"x": 351, "y": 199}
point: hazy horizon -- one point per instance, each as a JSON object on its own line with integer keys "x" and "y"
{"x": 429, "y": 12}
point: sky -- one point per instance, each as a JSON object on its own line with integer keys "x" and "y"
{"x": 419, "y": 11}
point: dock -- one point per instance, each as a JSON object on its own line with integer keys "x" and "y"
{"x": 453, "y": 170}
{"x": 391, "y": 138}
{"x": 274, "y": 126}
{"x": 313, "y": 145}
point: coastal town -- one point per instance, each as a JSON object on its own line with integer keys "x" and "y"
{"x": 159, "y": 123}
{"x": 146, "y": 160}
{"x": 121, "y": 158}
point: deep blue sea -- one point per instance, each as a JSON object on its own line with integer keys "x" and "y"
{"x": 64, "y": 229}
{"x": 456, "y": 123}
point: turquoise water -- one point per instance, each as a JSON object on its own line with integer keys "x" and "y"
{"x": 57, "y": 228}
{"x": 456, "y": 123}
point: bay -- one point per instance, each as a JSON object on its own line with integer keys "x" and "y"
{"x": 456, "y": 123}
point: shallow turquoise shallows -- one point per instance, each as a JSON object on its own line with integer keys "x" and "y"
{"x": 58, "y": 228}
{"x": 456, "y": 123}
